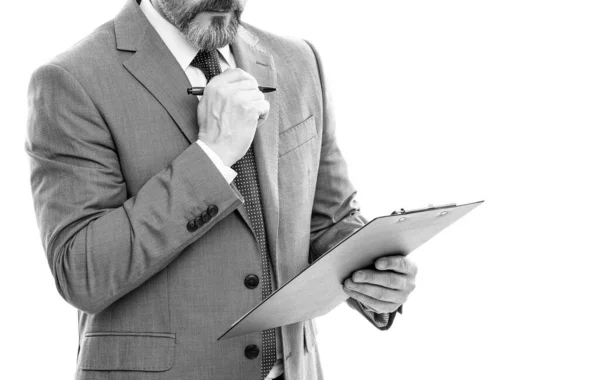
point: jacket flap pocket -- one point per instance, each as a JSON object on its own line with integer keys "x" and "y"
{"x": 127, "y": 351}
{"x": 297, "y": 135}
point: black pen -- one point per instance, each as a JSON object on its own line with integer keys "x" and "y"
{"x": 200, "y": 90}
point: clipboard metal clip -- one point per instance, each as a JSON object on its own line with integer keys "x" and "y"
{"x": 430, "y": 207}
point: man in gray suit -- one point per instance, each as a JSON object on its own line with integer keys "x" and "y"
{"x": 165, "y": 216}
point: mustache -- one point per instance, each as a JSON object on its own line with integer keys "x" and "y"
{"x": 214, "y": 5}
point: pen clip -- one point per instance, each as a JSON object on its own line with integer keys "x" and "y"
{"x": 430, "y": 207}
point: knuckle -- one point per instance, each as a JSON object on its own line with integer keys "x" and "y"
{"x": 400, "y": 283}
{"x": 401, "y": 263}
{"x": 237, "y": 101}
{"x": 246, "y": 107}
{"x": 412, "y": 286}
{"x": 405, "y": 283}
{"x": 210, "y": 88}
{"x": 221, "y": 91}
{"x": 389, "y": 281}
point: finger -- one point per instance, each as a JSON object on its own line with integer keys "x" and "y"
{"x": 252, "y": 94}
{"x": 388, "y": 279}
{"x": 245, "y": 84}
{"x": 375, "y": 291}
{"x": 262, "y": 107}
{"x": 243, "y": 89}
{"x": 397, "y": 263}
{"x": 249, "y": 95}
{"x": 377, "y": 305}
{"x": 232, "y": 75}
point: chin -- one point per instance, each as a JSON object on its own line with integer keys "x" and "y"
{"x": 208, "y": 31}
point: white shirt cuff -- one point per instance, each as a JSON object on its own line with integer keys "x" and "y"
{"x": 225, "y": 170}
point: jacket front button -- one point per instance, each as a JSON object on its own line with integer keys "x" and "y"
{"x": 251, "y": 281}
{"x": 251, "y": 351}
{"x": 191, "y": 226}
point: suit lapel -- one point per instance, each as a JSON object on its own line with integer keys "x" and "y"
{"x": 252, "y": 58}
{"x": 155, "y": 67}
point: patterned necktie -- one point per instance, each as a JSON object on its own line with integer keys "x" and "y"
{"x": 247, "y": 183}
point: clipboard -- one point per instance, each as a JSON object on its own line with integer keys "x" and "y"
{"x": 317, "y": 289}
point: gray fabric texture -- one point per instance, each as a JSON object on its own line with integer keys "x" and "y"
{"x": 116, "y": 179}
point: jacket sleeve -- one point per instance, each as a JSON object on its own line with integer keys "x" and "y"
{"x": 99, "y": 243}
{"x": 336, "y": 211}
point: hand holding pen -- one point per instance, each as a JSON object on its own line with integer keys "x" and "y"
{"x": 229, "y": 112}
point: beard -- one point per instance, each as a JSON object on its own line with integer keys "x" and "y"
{"x": 218, "y": 34}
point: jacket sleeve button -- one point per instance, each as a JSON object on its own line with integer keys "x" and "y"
{"x": 205, "y": 217}
{"x": 213, "y": 210}
{"x": 191, "y": 226}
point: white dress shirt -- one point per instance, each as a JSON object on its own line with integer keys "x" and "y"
{"x": 184, "y": 52}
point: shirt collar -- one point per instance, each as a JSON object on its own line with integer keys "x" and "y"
{"x": 183, "y": 51}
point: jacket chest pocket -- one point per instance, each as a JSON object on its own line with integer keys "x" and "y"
{"x": 127, "y": 351}
{"x": 295, "y": 137}
{"x": 299, "y": 149}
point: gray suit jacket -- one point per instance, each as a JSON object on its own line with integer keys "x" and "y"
{"x": 116, "y": 179}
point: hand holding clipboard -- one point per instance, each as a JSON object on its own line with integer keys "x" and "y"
{"x": 317, "y": 289}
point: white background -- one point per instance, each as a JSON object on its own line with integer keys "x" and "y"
{"x": 437, "y": 101}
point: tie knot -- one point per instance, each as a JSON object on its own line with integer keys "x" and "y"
{"x": 208, "y": 62}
